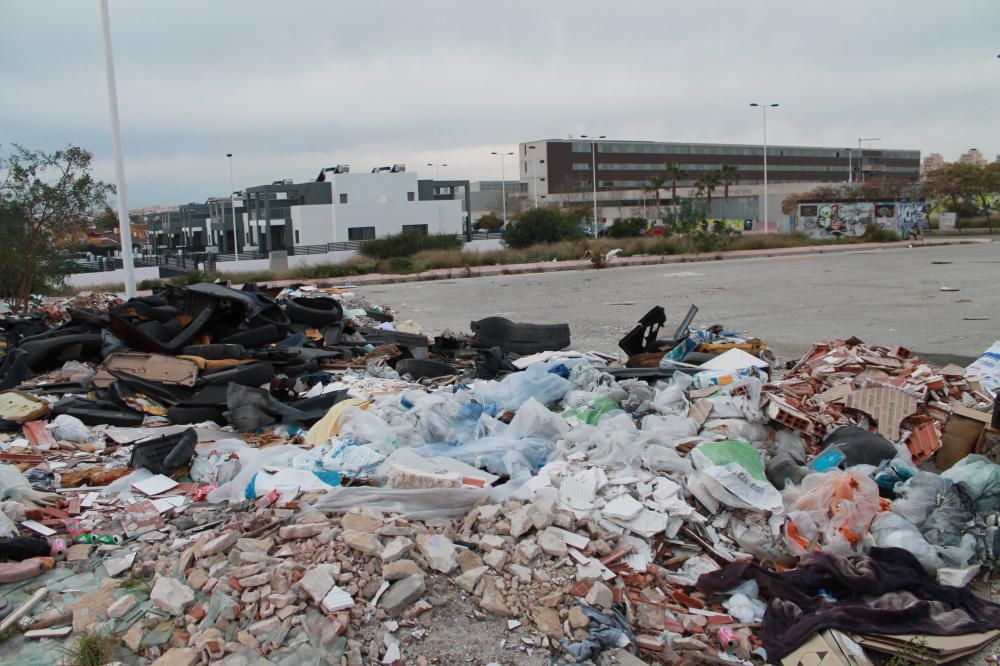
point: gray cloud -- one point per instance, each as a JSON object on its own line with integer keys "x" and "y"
{"x": 290, "y": 87}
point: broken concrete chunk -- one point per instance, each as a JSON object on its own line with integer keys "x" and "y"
{"x": 520, "y": 521}
{"x": 396, "y": 549}
{"x": 317, "y": 581}
{"x": 360, "y": 522}
{"x": 219, "y": 544}
{"x": 493, "y": 599}
{"x": 547, "y": 621}
{"x": 300, "y": 531}
{"x": 122, "y": 606}
{"x": 400, "y": 569}
{"x": 551, "y": 541}
{"x": 600, "y": 595}
{"x": 468, "y": 580}
{"x": 363, "y": 541}
{"x": 401, "y": 594}
{"x": 439, "y": 551}
{"x": 176, "y": 656}
{"x": 468, "y": 559}
{"x": 495, "y": 559}
{"x": 337, "y": 600}
{"x": 171, "y": 595}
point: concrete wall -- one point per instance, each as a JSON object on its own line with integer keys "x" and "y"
{"x": 301, "y": 260}
{"x": 112, "y": 277}
{"x": 441, "y": 217}
{"x": 243, "y": 266}
{"x": 314, "y": 224}
{"x": 483, "y": 245}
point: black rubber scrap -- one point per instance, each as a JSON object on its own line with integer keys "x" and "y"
{"x": 317, "y": 312}
{"x": 420, "y": 368}
{"x": 518, "y": 338}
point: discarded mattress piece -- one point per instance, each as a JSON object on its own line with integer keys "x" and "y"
{"x": 297, "y": 475}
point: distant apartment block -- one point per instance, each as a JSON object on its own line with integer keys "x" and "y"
{"x": 560, "y": 166}
{"x": 337, "y": 207}
{"x": 973, "y": 156}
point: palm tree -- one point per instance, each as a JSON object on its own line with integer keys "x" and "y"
{"x": 707, "y": 183}
{"x": 730, "y": 175}
{"x": 655, "y": 184}
{"x": 674, "y": 172}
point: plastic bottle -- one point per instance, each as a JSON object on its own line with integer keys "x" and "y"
{"x": 108, "y": 539}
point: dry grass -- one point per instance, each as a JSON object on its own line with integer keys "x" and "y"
{"x": 564, "y": 251}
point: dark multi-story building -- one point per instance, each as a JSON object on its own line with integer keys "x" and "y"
{"x": 559, "y": 166}
{"x": 183, "y": 227}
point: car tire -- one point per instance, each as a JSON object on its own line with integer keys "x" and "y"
{"x": 316, "y": 312}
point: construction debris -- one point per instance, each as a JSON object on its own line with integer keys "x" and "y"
{"x": 251, "y": 477}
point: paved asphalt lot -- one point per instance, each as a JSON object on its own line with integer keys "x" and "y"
{"x": 886, "y": 296}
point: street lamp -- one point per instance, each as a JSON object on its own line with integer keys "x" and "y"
{"x": 861, "y": 157}
{"x": 437, "y": 169}
{"x": 503, "y": 185}
{"x": 232, "y": 202}
{"x": 764, "y": 108}
{"x": 124, "y": 228}
{"x": 593, "y": 150}
{"x": 534, "y": 176}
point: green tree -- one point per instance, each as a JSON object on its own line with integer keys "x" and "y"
{"x": 954, "y": 184}
{"x": 654, "y": 185}
{"x": 707, "y": 183}
{"x": 730, "y": 175}
{"x": 46, "y": 203}
{"x": 541, "y": 225}
{"x": 106, "y": 219}
{"x": 987, "y": 188}
{"x": 489, "y": 222}
{"x": 674, "y": 173}
{"x": 684, "y": 218}
{"x": 628, "y": 228}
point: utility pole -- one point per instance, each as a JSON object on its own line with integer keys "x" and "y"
{"x": 593, "y": 151}
{"x": 124, "y": 227}
{"x": 764, "y": 108}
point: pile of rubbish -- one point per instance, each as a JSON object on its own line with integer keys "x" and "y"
{"x": 212, "y": 475}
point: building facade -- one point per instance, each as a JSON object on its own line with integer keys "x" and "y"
{"x": 559, "y": 166}
{"x": 973, "y": 156}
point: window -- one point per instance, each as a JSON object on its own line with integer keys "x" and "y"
{"x": 410, "y": 196}
{"x": 415, "y": 229}
{"x": 343, "y": 197}
{"x": 297, "y": 241}
{"x": 360, "y": 233}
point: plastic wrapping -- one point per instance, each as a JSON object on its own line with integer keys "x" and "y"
{"x": 890, "y": 530}
{"x": 981, "y": 479}
{"x": 419, "y": 504}
{"x": 830, "y": 510}
{"x": 251, "y": 461}
{"x": 13, "y": 486}
{"x": 535, "y": 420}
{"x": 70, "y": 429}
{"x": 366, "y": 427}
{"x": 515, "y": 389}
{"x": 218, "y": 462}
{"x": 488, "y": 452}
{"x": 658, "y": 458}
{"x": 791, "y": 443}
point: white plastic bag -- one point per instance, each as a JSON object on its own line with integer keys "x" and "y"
{"x": 419, "y": 504}
{"x": 70, "y": 429}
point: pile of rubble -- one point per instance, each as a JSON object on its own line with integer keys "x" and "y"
{"x": 251, "y": 477}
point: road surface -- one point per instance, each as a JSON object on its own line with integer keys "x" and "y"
{"x": 886, "y": 297}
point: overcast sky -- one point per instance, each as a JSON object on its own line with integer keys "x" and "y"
{"x": 292, "y": 86}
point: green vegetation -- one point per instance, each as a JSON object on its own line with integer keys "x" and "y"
{"x": 542, "y": 225}
{"x": 489, "y": 222}
{"x": 628, "y": 228}
{"x": 46, "y": 203}
{"x": 408, "y": 243}
{"x": 93, "y": 648}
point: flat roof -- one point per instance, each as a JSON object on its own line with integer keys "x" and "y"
{"x": 697, "y": 143}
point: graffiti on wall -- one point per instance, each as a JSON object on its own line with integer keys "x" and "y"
{"x": 910, "y": 216}
{"x": 835, "y": 219}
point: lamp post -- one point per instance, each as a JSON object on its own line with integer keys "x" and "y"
{"x": 124, "y": 228}
{"x": 593, "y": 151}
{"x": 534, "y": 176}
{"x": 437, "y": 169}
{"x": 764, "y": 108}
{"x": 503, "y": 185}
{"x": 232, "y": 202}
{"x": 861, "y": 157}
